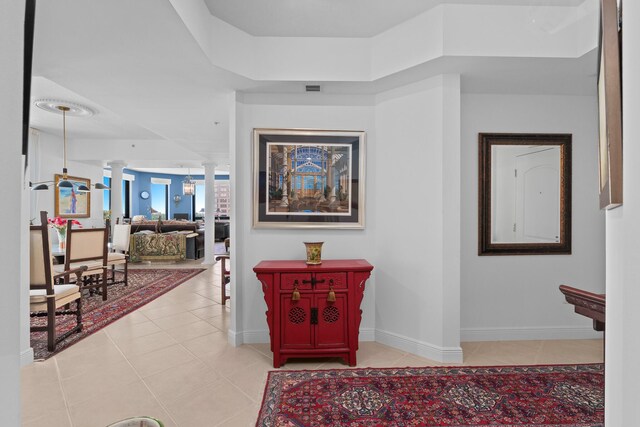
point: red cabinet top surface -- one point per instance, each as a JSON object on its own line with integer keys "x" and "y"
{"x": 301, "y": 266}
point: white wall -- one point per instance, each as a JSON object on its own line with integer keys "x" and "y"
{"x": 11, "y": 46}
{"x": 622, "y": 391}
{"x": 46, "y": 162}
{"x": 421, "y": 231}
{"x": 411, "y": 133}
{"x": 416, "y": 202}
{"x": 517, "y": 297}
{"x": 255, "y": 245}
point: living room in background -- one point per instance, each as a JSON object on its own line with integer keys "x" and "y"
{"x": 160, "y": 198}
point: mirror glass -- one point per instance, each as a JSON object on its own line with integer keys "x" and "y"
{"x": 525, "y": 194}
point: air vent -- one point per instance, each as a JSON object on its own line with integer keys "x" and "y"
{"x": 313, "y": 88}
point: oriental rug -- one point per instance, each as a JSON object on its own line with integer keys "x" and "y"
{"x": 559, "y": 395}
{"x": 145, "y": 285}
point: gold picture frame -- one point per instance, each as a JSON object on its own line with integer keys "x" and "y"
{"x": 610, "y": 107}
{"x": 69, "y": 203}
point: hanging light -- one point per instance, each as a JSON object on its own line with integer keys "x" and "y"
{"x": 64, "y": 182}
{"x": 75, "y": 110}
{"x": 188, "y": 186}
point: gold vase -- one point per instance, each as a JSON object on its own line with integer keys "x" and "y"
{"x": 314, "y": 252}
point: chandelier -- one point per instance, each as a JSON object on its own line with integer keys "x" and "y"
{"x": 76, "y": 110}
{"x": 188, "y": 185}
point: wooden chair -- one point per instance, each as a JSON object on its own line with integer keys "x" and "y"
{"x": 225, "y": 276}
{"x": 88, "y": 246}
{"x": 119, "y": 254}
{"x": 45, "y": 297}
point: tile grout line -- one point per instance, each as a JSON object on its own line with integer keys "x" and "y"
{"x": 64, "y": 395}
{"x": 143, "y": 382}
{"x": 189, "y": 352}
{"x": 158, "y": 401}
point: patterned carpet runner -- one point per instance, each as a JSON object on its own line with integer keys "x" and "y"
{"x": 145, "y": 285}
{"x": 559, "y": 396}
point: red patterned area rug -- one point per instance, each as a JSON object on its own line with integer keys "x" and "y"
{"x": 505, "y": 396}
{"x": 145, "y": 285}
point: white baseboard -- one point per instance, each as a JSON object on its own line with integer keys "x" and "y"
{"x": 254, "y": 337}
{"x": 527, "y": 333}
{"x": 420, "y": 348}
{"x": 367, "y": 334}
{"x": 26, "y": 357}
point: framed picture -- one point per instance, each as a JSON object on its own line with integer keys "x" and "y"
{"x": 70, "y": 203}
{"x": 308, "y": 178}
{"x": 610, "y": 108}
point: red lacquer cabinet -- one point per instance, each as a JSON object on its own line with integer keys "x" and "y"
{"x": 313, "y": 310}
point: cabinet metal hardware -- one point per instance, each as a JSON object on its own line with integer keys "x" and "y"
{"x": 313, "y": 281}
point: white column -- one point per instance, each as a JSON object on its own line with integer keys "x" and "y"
{"x": 209, "y": 212}
{"x": 622, "y": 371}
{"x": 12, "y": 217}
{"x": 26, "y": 352}
{"x": 116, "y": 190}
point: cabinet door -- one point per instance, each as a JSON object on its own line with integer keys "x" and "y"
{"x": 295, "y": 322}
{"x": 331, "y": 330}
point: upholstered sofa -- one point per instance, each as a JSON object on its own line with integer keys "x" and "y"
{"x": 165, "y": 240}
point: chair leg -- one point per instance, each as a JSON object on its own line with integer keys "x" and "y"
{"x": 79, "y": 313}
{"x": 104, "y": 284}
{"x": 224, "y": 292}
{"x": 51, "y": 325}
{"x": 126, "y": 273}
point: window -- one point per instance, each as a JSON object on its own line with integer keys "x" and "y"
{"x": 160, "y": 198}
{"x": 198, "y": 204}
{"x": 126, "y": 197}
{"x": 222, "y": 197}
{"x": 106, "y": 198}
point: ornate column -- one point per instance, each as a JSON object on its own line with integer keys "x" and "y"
{"x": 285, "y": 189}
{"x": 116, "y": 190}
{"x": 209, "y": 212}
{"x": 332, "y": 170}
{"x": 294, "y": 174}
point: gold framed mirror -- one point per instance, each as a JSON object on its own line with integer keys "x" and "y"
{"x": 524, "y": 203}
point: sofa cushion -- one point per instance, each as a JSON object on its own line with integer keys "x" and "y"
{"x": 144, "y": 226}
{"x": 168, "y": 226}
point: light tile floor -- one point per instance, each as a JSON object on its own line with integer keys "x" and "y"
{"x": 170, "y": 359}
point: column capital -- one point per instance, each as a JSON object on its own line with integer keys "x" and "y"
{"x": 209, "y": 164}
{"x": 117, "y": 164}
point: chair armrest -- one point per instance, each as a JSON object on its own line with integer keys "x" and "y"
{"x": 77, "y": 271}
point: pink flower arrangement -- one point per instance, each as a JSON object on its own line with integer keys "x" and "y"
{"x": 60, "y": 224}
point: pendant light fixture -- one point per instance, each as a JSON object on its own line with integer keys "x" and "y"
{"x": 65, "y": 108}
{"x": 188, "y": 186}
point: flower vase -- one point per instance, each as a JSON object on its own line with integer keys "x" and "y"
{"x": 62, "y": 239}
{"x": 314, "y": 252}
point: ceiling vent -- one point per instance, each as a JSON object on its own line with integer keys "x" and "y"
{"x": 313, "y": 88}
